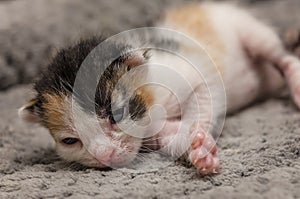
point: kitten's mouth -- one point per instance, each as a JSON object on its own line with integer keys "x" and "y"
{"x": 114, "y": 157}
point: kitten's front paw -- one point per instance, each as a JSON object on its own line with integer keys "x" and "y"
{"x": 203, "y": 154}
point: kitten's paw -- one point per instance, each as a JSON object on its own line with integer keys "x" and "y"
{"x": 203, "y": 154}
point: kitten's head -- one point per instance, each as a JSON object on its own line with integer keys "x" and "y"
{"x": 97, "y": 115}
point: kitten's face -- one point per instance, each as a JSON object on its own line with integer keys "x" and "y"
{"x": 92, "y": 138}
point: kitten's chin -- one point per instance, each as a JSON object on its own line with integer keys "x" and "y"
{"x": 123, "y": 162}
{"x": 95, "y": 164}
{"x": 126, "y": 160}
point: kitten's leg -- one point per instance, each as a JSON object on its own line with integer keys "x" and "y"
{"x": 203, "y": 150}
{"x": 195, "y": 142}
{"x": 197, "y": 145}
{"x": 262, "y": 42}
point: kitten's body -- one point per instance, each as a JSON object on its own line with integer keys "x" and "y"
{"x": 245, "y": 78}
{"x": 222, "y": 37}
{"x": 245, "y": 53}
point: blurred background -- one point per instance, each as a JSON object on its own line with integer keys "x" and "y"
{"x": 31, "y": 31}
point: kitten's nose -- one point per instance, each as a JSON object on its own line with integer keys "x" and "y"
{"x": 106, "y": 155}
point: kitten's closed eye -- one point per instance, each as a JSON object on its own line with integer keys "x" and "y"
{"x": 70, "y": 141}
{"x": 118, "y": 115}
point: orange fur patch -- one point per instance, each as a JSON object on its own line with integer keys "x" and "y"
{"x": 55, "y": 107}
{"x": 194, "y": 20}
{"x": 147, "y": 95}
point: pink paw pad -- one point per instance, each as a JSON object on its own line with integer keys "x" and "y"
{"x": 204, "y": 153}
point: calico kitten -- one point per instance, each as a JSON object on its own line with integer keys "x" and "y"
{"x": 244, "y": 50}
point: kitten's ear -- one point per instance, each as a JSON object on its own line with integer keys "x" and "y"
{"x": 137, "y": 58}
{"x": 29, "y": 112}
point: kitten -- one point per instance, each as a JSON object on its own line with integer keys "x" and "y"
{"x": 249, "y": 57}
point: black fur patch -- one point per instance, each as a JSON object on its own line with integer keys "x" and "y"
{"x": 59, "y": 78}
{"x": 60, "y": 75}
{"x": 136, "y": 108}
